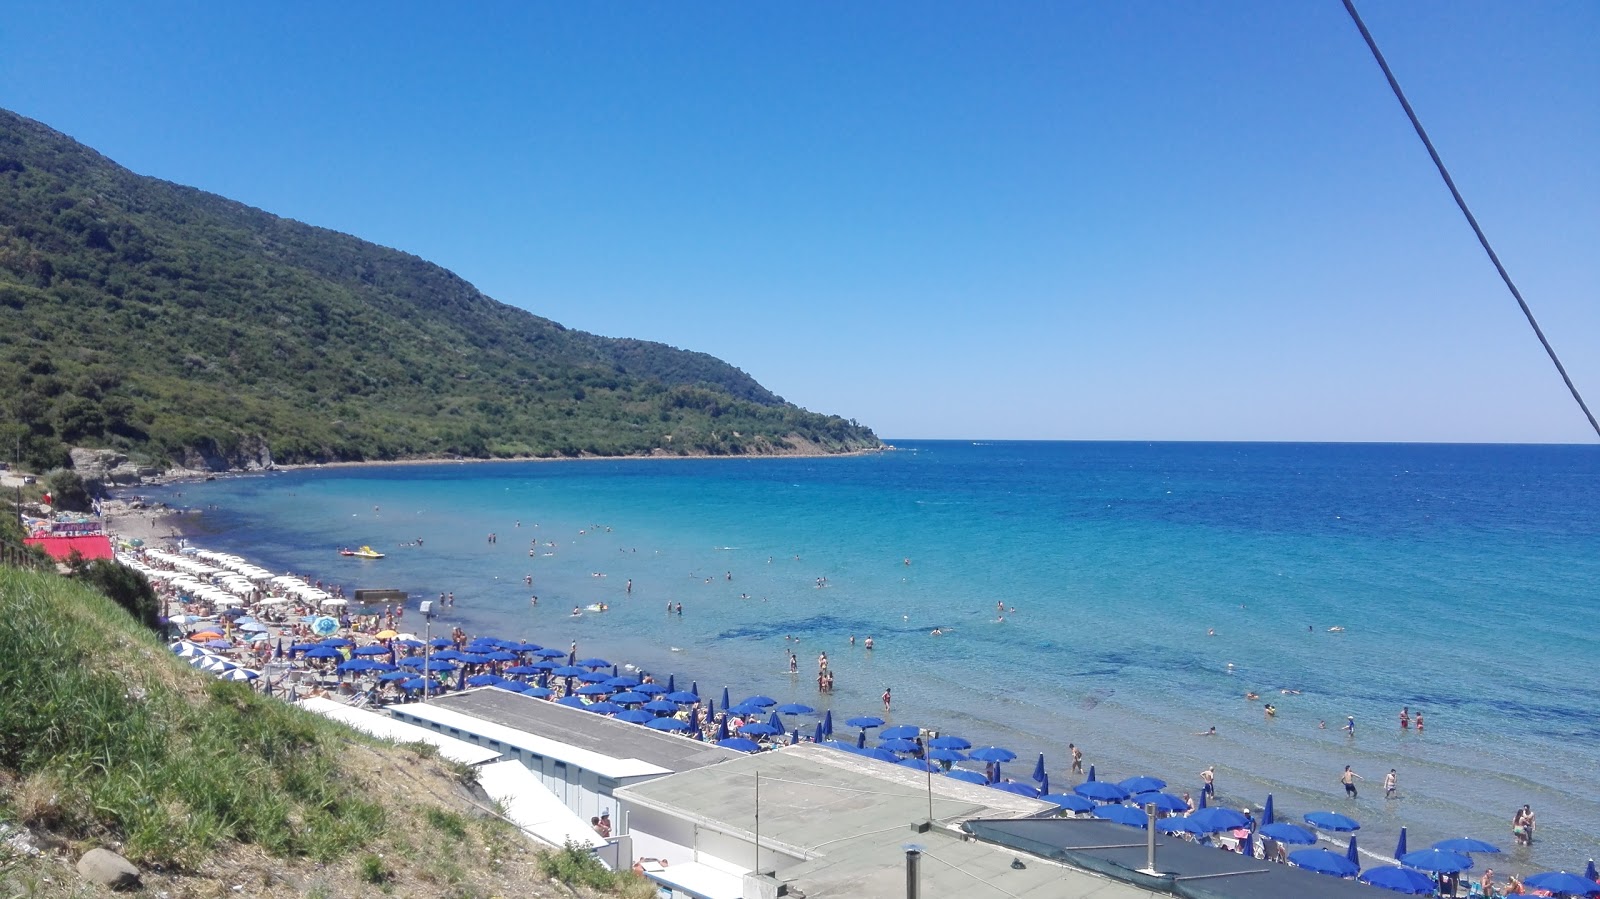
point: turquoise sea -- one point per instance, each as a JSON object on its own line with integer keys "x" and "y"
{"x": 1465, "y": 579}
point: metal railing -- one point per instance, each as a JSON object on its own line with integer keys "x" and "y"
{"x": 18, "y": 556}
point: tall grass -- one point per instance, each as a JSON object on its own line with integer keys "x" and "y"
{"x": 102, "y": 730}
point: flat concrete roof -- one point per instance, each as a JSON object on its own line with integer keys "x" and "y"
{"x": 593, "y": 736}
{"x": 380, "y": 725}
{"x": 1187, "y": 869}
{"x": 851, "y": 817}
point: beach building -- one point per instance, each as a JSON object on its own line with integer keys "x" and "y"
{"x": 580, "y": 757}
{"x": 835, "y": 824}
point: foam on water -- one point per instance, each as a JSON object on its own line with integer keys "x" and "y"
{"x": 1464, "y": 577}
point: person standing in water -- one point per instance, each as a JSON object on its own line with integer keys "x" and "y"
{"x": 886, "y": 698}
{"x": 1389, "y": 784}
{"x": 1349, "y": 778}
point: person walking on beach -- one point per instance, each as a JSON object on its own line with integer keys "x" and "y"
{"x": 1208, "y": 781}
{"x": 1349, "y": 778}
{"x": 1388, "y": 784}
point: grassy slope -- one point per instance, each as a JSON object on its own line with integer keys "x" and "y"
{"x": 108, "y": 739}
{"x": 157, "y": 318}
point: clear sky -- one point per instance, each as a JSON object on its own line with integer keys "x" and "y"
{"x": 1142, "y": 220}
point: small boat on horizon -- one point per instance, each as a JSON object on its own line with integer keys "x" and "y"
{"x": 365, "y": 552}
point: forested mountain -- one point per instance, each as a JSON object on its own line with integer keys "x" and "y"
{"x": 146, "y": 316}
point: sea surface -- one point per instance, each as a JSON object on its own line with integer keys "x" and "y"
{"x": 1147, "y": 587}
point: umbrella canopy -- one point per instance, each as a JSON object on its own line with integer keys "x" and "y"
{"x": 671, "y": 724}
{"x": 624, "y": 681}
{"x": 1142, "y": 784}
{"x": 1293, "y": 834}
{"x": 1019, "y": 789}
{"x": 898, "y": 745}
{"x": 920, "y": 764}
{"x": 594, "y": 663}
{"x": 440, "y": 643}
{"x": 219, "y": 643}
{"x": 1562, "y": 884}
{"x": 653, "y": 689}
{"x": 900, "y": 731}
{"x": 968, "y": 776}
{"x": 1266, "y": 813}
{"x": 629, "y": 697}
{"x": 595, "y": 677}
{"x": 660, "y": 705}
{"x": 603, "y": 708}
{"x": 512, "y": 686}
{"x": 1099, "y": 790}
{"x": 1217, "y": 819}
{"x": 1351, "y": 854}
{"x": 827, "y": 723}
{"x": 865, "y": 721}
{"x": 795, "y": 708}
{"x": 947, "y": 755}
{"x": 1072, "y": 802}
{"x": 1179, "y": 825}
{"x": 535, "y": 691}
{"x": 1164, "y": 801}
{"x": 483, "y": 680}
{"x": 592, "y": 690}
{"x": 1465, "y": 845}
{"x": 567, "y": 671}
{"x": 951, "y": 742}
{"x": 1439, "y": 861}
{"x": 1323, "y": 861}
{"x": 373, "y": 650}
{"x": 994, "y": 754}
{"x": 745, "y": 710}
{"x": 500, "y": 655}
{"x": 572, "y": 701}
{"x": 760, "y": 729}
{"x": 635, "y": 716}
{"x": 394, "y": 675}
{"x": 681, "y": 696}
{"x": 1400, "y": 845}
{"x": 765, "y": 702}
{"x": 522, "y": 669}
{"x": 548, "y": 653}
{"x": 740, "y": 744}
{"x": 1589, "y": 872}
{"x": 1332, "y": 821}
{"x": 323, "y": 652}
{"x": 1123, "y": 814}
{"x": 1401, "y": 880}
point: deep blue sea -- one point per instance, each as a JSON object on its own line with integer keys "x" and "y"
{"x": 1465, "y": 579}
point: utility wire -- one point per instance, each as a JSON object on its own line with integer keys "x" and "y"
{"x": 1449, "y": 182}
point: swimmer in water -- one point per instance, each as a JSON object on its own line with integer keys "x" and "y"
{"x": 576, "y": 611}
{"x": 1336, "y": 629}
{"x": 936, "y": 632}
{"x": 1209, "y": 732}
{"x": 1252, "y": 696}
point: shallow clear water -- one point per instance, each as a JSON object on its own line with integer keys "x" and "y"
{"x": 1465, "y": 578}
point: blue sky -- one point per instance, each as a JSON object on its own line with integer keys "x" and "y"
{"x": 1023, "y": 220}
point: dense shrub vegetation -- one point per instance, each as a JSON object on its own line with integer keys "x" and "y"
{"x": 178, "y": 325}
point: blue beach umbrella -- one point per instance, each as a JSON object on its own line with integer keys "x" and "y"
{"x": 652, "y": 689}
{"x": 971, "y": 777}
{"x": 1217, "y": 819}
{"x": 604, "y": 708}
{"x": 409, "y": 644}
{"x": 1137, "y": 785}
{"x": 416, "y": 683}
{"x": 1562, "y": 883}
{"x": 1180, "y": 825}
{"x": 1100, "y": 791}
{"x": 1323, "y": 861}
{"x": 594, "y": 677}
{"x": 775, "y": 721}
{"x": 512, "y": 686}
{"x": 323, "y": 652}
{"x": 1589, "y": 872}
{"x": 1044, "y": 784}
{"x": 1039, "y": 775}
{"x": 1438, "y": 861}
{"x": 794, "y": 737}
{"x": 668, "y": 724}
{"x": 549, "y": 653}
{"x": 1266, "y": 814}
{"x": 760, "y": 729}
{"x": 827, "y": 723}
{"x": 722, "y": 729}
{"x": 947, "y": 755}
{"x": 573, "y": 702}
{"x": 546, "y": 666}
{"x": 819, "y": 736}
{"x": 522, "y": 669}
{"x": 694, "y": 721}
{"x": 1293, "y": 834}
{"x": 630, "y": 697}
{"x": 920, "y": 764}
{"x": 1400, "y": 845}
{"x": 864, "y": 721}
{"x": 594, "y": 663}
{"x": 1351, "y": 854}
{"x": 1400, "y": 880}
{"x": 882, "y": 755}
{"x": 1466, "y": 846}
{"x": 1202, "y": 802}
{"x": 672, "y": 683}
{"x": 1072, "y": 802}
{"x": 614, "y": 671}
{"x": 740, "y": 744}
{"x": 993, "y": 754}
{"x": 336, "y": 641}
{"x": 592, "y": 690}
{"x": 500, "y": 655}
{"x": 898, "y": 745}
{"x": 694, "y": 687}
{"x": 530, "y": 690}
{"x": 795, "y": 708}
{"x": 660, "y": 705}
{"x": 765, "y": 702}
{"x": 567, "y": 671}
{"x": 951, "y": 742}
{"x": 461, "y": 679}
{"x": 900, "y": 731}
{"x": 683, "y": 697}
{"x": 623, "y": 682}
{"x": 373, "y": 650}
{"x": 745, "y": 710}
{"x": 440, "y": 643}
{"x": 861, "y": 740}
{"x": 483, "y": 680}
{"x": 1091, "y": 773}
{"x": 394, "y": 675}
{"x": 1017, "y": 788}
{"x": 1165, "y": 802}
{"x": 1332, "y": 821}
{"x": 725, "y": 701}
{"x": 635, "y": 716}
{"x": 1123, "y": 814}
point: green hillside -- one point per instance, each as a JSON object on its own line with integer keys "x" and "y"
{"x": 142, "y": 315}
